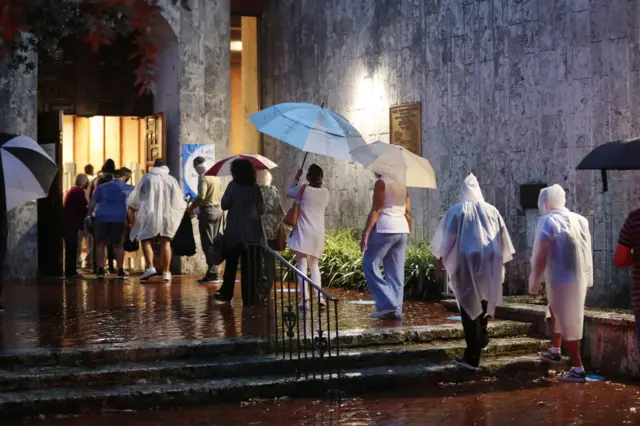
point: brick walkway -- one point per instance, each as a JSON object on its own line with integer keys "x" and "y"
{"x": 59, "y": 314}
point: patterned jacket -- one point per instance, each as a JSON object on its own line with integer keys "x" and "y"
{"x": 245, "y": 208}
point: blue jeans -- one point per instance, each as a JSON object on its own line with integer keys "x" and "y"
{"x": 388, "y": 250}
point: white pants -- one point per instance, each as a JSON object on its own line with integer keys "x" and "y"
{"x": 312, "y": 264}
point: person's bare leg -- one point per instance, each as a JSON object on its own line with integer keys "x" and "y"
{"x": 165, "y": 252}
{"x": 119, "y": 252}
{"x": 556, "y": 338}
{"x": 573, "y": 347}
{"x": 100, "y": 246}
{"x": 147, "y": 251}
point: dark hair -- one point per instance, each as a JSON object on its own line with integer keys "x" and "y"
{"x": 315, "y": 175}
{"x": 123, "y": 172}
{"x": 243, "y": 171}
{"x": 159, "y": 163}
{"x": 198, "y": 160}
{"x": 88, "y": 169}
{"x": 109, "y": 166}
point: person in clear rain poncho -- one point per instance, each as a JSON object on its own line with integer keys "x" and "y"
{"x": 156, "y": 207}
{"x": 473, "y": 244}
{"x": 562, "y": 258}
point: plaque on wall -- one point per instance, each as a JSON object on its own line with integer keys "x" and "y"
{"x": 405, "y": 125}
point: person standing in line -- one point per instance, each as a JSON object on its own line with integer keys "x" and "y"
{"x": 110, "y": 204}
{"x": 307, "y": 238}
{"x": 105, "y": 176}
{"x": 562, "y": 257}
{"x": 628, "y": 255}
{"x": 384, "y": 243}
{"x": 86, "y": 236}
{"x": 243, "y": 201}
{"x": 272, "y": 220}
{"x": 473, "y": 244}
{"x": 156, "y": 207}
{"x": 209, "y": 217}
{"x": 74, "y": 210}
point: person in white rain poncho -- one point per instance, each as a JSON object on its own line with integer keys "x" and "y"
{"x": 562, "y": 257}
{"x": 473, "y": 244}
{"x": 156, "y": 208}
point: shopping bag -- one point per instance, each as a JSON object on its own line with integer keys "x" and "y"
{"x": 184, "y": 243}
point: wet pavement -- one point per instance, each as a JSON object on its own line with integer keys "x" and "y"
{"x": 55, "y": 313}
{"x": 516, "y": 402}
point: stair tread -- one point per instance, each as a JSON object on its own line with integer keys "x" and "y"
{"x": 215, "y": 385}
{"x": 227, "y": 361}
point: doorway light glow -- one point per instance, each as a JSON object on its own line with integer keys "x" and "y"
{"x": 236, "y": 46}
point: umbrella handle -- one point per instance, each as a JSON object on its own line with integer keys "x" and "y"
{"x": 304, "y": 160}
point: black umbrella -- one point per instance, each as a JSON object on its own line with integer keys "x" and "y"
{"x": 618, "y": 155}
{"x": 26, "y": 174}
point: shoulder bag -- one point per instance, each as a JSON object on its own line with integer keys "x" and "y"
{"x": 291, "y": 218}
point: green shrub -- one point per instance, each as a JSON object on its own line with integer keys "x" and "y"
{"x": 341, "y": 266}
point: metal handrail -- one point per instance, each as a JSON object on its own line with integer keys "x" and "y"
{"x": 300, "y": 273}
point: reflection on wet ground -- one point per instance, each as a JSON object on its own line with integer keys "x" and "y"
{"x": 504, "y": 403}
{"x": 57, "y": 314}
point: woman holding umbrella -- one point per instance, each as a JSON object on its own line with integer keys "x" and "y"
{"x": 307, "y": 238}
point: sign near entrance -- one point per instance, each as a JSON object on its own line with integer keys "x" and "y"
{"x": 405, "y": 123}
{"x": 189, "y": 175}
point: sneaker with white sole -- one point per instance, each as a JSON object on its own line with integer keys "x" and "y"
{"x": 148, "y": 273}
{"x": 465, "y": 364}
{"x": 166, "y": 277}
{"x": 551, "y": 357}
{"x": 574, "y": 376}
{"x": 386, "y": 314}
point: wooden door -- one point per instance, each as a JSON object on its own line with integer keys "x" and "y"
{"x": 50, "y": 209}
{"x": 155, "y": 138}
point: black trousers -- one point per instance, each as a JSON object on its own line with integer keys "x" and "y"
{"x": 475, "y": 334}
{"x": 71, "y": 255}
{"x": 111, "y": 254}
{"x": 251, "y": 274}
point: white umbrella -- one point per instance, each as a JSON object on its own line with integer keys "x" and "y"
{"x": 397, "y": 163}
{"x": 223, "y": 167}
{"x": 310, "y": 128}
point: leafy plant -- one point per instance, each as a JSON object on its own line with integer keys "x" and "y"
{"x": 341, "y": 266}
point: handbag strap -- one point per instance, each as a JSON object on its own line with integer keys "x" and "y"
{"x": 299, "y": 196}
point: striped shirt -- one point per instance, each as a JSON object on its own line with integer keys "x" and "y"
{"x": 630, "y": 237}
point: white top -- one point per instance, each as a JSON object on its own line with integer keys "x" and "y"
{"x": 474, "y": 244}
{"x": 392, "y": 218}
{"x": 308, "y": 235}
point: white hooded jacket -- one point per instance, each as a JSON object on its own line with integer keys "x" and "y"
{"x": 562, "y": 257}
{"x": 159, "y": 204}
{"x": 474, "y": 245}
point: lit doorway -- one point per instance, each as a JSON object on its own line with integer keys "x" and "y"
{"x": 244, "y": 85}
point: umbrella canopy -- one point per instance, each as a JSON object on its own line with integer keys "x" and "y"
{"x": 310, "y": 128}
{"x": 223, "y": 167}
{"x": 397, "y": 163}
{"x": 618, "y": 155}
{"x": 27, "y": 171}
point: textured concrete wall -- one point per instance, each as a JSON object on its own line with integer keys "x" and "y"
{"x": 515, "y": 91}
{"x": 18, "y": 107}
{"x": 200, "y": 107}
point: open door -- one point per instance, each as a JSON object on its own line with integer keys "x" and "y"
{"x": 50, "y": 245}
{"x": 155, "y": 137}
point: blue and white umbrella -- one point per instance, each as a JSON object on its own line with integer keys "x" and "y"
{"x": 310, "y": 128}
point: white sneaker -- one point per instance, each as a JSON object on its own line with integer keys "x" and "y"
{"x": 148, "y": 273}
{"x": 166, "y": 277}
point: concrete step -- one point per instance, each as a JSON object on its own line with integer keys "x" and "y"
{"x": 212, "y": 348}
{"x": 75, "y": 399}
{"x": 176, "y": 370}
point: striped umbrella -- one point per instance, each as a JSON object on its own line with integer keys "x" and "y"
{"x": 223, "y": 167}
{"x": 26, "y": 174}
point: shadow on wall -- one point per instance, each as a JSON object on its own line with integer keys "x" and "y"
{"x": 22, "y": 243}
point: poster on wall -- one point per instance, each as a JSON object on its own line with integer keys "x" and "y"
{"x": 189, "y": 175}
{"x": 405, "y": 122}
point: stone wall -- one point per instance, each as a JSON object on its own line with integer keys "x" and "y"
{"x": 515, "y": 91}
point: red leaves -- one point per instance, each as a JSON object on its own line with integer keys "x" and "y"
{"x": 14, "y": 18}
